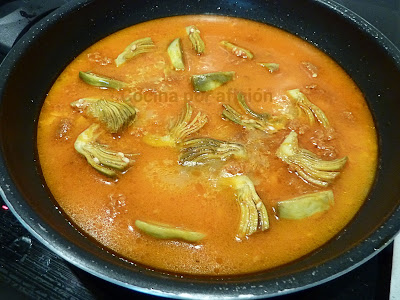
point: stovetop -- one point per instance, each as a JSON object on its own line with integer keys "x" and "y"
{"x": 28, "y": 270}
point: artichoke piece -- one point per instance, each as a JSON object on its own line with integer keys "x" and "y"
{"x": 307, "y": 165}
{"x": 210, "y": 81}
{"x": 263, "y": 121}
{"x": 114, "y": 115}
{"x": 253, "y": 214}
{"x": 194, "y": 36}
{"x": 236, "y": 50}
{"x": 98, "y": 155}
{"x": 310, "y": 68}
{"x": 305, "y": 206}
{"x": 101, "y": 81}
{"x": 310, "y": 109}
{"x": 182, "y": 129}
{"x": 169, "y": 232}
{"x": 205, "y": 150}
{"x": 272, "y": 67}
{"x": 175, "y": 54}
{"x": 137, "y": 47}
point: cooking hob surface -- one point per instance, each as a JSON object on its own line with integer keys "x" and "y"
{"x": 28, "y": 270}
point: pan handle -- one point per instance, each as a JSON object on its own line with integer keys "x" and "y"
{"x": 16, "y": 17}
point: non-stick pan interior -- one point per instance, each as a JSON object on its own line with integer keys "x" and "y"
{"x": 38, "y": 58}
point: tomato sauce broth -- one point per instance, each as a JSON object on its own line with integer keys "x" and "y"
{"x": 156, "y": 188}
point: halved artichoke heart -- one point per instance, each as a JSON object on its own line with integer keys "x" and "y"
{"x": 101, "y": 81}
{"x": 271, "y": 67}
{"x": 200, "y": 151}
{"x": 135, "y": 48}
{"x": 236, "y": 50}
{"x": 169, "y": 232}
{"x": 310, "y": 109}
{"x": 98, "y": 155}
{"x": 253, "y": 214}
{"x": 183, "y": 127}
{"x": 261, "y": 121}
{"x": 305, "y": 206}
{"x": 115, "y": 115}
{"x": 211, "y": 81}
{"x": 175, "y": 54}
{"x": 307, "y": 165}
{"x": 195, "y": 38}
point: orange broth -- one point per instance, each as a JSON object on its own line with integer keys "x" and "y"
{"x": 157, "y": 189}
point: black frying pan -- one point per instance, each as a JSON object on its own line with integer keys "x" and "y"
{"x": 42, "y": 53}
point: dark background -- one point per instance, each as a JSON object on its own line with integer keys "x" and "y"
{"x": 28, "y": 270}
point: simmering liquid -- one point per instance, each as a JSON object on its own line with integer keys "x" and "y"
{"x": 156, "y": 188}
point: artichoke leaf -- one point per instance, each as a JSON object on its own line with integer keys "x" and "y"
{"x": 195, "y": 38}
{"x": 169, "y": 232}
{"x": 135, "y": 48}
{"x": 200, "y": 151}
{"x": 99, "y": 156}
{"x": 310, "y": 109}
{"x": 236, "y": 50}
{"x": 101, "y": 81}
{"x": 261, "y": 121}
{"x": 305, "y": 205}
{"x": 211, "y": 81}
{"x": 253, "y": 213}
{"x": 175, "y": 54}
{"x": 271, "y": 67}
{"x": 115, "y": 115}
{"x": 183, "y": 127}
{"x": 308, "y": 165}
